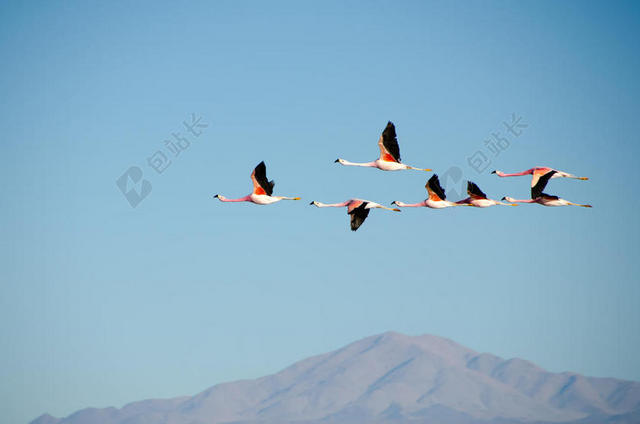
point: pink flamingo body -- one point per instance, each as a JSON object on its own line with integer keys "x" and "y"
{"x": 389, "y": 159}
{"x": 546, "y": 200}
{"x": 478, "y": 199}
{"x": 537, "y": 172}
{"x": 262, "y": 189}
{"x": 483, "y": 203}
{"x": 258, "y": 199}
{"x": 358, "y": 209}
{"x": 428, "y": 203}
{"x": 436, "y": 200}
{"x": 537, "y": 196}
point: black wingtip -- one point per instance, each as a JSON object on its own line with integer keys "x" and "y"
{"x": 537, "y": 190}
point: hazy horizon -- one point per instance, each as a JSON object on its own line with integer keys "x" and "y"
{"x": 392, "y": 378}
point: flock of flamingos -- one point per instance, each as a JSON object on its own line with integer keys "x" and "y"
{"x": 389, "y": 160}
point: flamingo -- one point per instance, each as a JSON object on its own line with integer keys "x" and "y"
{"x": 478, "y": 199}
{"x": 537, "y": 172}
{"x": 537, "y": 196}
{"x": 389, "y": 153}
{"x": 357, "y": 208}
{"x": 262, "y": 189}
{"x": 437, "y": 199}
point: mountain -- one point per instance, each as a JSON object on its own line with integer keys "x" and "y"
{"x": 392, "y": 378}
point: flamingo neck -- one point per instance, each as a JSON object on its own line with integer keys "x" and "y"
{"x": 330, "y": 205}
{"x": 366, "y": 164}
{"x": 411, "y": 205}
{"x": 516, "y": 174}
{"x": 242, "y": 199}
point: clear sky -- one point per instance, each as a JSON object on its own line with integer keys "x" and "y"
{"x": 102, "y": 303}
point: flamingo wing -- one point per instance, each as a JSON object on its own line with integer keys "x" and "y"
{"x": 388, "y": 143}
{"x": 351, "y": 204}
{"x": 474, "y": 191}
{"x": 436, "y": 192}
{"x": 358, "y": 215}
{"x": 261, "y": 185}
{"x": 536, "y": 191}
{"x": 537, "y": 173}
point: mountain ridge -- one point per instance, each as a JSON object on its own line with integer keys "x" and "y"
{"x": 387, "y": 378}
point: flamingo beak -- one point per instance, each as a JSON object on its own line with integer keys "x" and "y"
{"x": 504, "y": 198}
{"x": 215, "y": 197}
{"x": 393, "y": 203}
{"x": 312, "y": 202}
{"x": 336, "y": 161}
{"x": 493, "y": 172}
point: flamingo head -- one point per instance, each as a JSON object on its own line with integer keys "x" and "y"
{"x": 314, "y": 203}
{"x": 508, "y": 199}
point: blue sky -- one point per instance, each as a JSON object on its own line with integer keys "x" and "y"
{"x": 102, "y": 303}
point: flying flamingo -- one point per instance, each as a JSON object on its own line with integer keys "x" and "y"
{"x": 436, "y": 200}
{"x": 262, "y": 189}
{"x": 357, "y": 208}
{"x": 537, "y": 172}
{"x": 537, "y": 196}
{"x": 389, "y": 153}
{"x": 478, "y": 199}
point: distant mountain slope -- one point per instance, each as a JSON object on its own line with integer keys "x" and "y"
{"x": 392, "y": 378}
